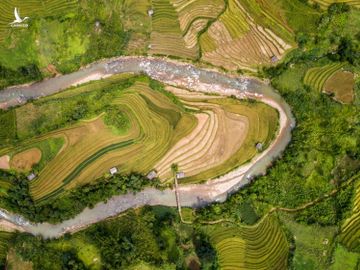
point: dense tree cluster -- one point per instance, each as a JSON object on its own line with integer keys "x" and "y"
{"x": 21, "y": 75}
{"x": 151, "y": 236}
{"x": 73, "y": 202}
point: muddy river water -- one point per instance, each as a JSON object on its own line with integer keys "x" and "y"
{"x": 173, "y": 73}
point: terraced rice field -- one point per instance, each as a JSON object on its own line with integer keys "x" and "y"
{"x": 350, "y": 230}
{"x": 217, "y": 135}
{"x": 261, "y": 246}
{"x": 194, "y": 16}
{"x": 237, "y": 41}
{"x": 234, "y": 34}
{"x": 316, "y": 77}
{"x": 326, "y": 3}
{"x": 341, "y": 84}
{"x": 225, "y": 137}
{"x": 32, "y": 8}
{"x": 166, "y": 35}
{"x": 154, "y": 123}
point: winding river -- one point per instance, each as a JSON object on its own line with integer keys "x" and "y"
{"x": 173, "y": 73}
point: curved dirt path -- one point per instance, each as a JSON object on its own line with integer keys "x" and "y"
{"x": 180, "y": 75}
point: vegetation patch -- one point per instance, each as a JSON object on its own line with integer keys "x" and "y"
{"x": 116, "y": 118}
{"x": 344, "y": 259}
{"x": 313, "y": 244}
{"x": 8, "y": 127}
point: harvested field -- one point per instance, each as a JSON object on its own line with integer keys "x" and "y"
{"x": 224, "y": 138}
{"x": 236, "y": 40}
{"x": 24, "y": 161}
{"x": 316, "y": 77}
{"x": 341, "y": 85}
{"x": 214, "y": 140}
{"x": 4, "y": 162}
{"x": 261, "y": 246}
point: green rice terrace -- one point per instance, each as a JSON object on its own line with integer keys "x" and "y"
{"x": 180, "y": 134}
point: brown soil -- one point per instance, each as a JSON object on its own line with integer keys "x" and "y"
{"x": 217, "y": 137}
{"x": 52, "y": 70}
{"x": 9, "y": 227}
{"x": 15, "y": 262}
{"x": 341, "y": 85}
{"x": 4, "y": 162}
{"x": 24, "y": 161}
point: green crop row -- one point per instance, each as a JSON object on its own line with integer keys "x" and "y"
{"x": 316, "y": 77}
{"x": 261, "y": 246}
